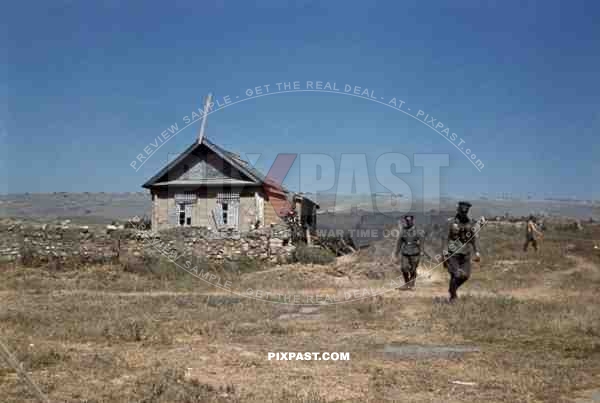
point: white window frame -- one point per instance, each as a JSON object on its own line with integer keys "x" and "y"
{"x": 230, "y": 217}
{"x": 184, "y": 202}
{"x": 186, "y": 209}
{"x": 186, "y": 197}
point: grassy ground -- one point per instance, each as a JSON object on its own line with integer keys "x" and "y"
{"x": 100, "y": 334}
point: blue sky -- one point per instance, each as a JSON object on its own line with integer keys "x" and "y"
{"x": 85, "y": 86}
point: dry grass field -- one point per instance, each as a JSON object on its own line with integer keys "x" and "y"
{"x": 527, "y": 329}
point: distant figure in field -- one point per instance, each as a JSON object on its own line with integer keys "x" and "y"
{"x": 410, "y": 246}
{"x": 531, "y": 234}
{"x": 463, "y": 234}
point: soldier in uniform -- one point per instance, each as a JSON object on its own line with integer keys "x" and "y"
{"x": 463, "y": 234}
{"x": 409, "y": 245}
{"x": 531, "y": 234}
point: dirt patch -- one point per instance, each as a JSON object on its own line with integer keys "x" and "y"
{"x": 301, "y": 313}
{"x": 588, "y": 396}
{"x": 217, "y": 300}
{"x": 417, "y": 351}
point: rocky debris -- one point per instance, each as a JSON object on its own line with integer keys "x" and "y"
{"x": 281, "y": 231}
{"x": 105, "y": 243}
{"x": 339, "y": 246}
{"x": 297, "y": 312}
{"x": 375, "y": 274}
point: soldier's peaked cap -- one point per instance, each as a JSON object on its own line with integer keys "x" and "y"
{"x": 464, "y": 204}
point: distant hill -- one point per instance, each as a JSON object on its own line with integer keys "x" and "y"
{"x": 92, "y": 208}
{"x": 106, "y": 207}
{"x": 583, "y": 210}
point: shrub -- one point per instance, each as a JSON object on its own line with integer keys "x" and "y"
{"x": 171, "y": 385}
{"x": 137, "y": 265}
{"x": 313, "y": 255}
{"x": 34, "y": 359}
{"x": 131, "y": 330}
{"x": 55, "y": 263}
{"x": 162, "y": 268}
{"x": 28, "y": 257}
{"x": 242, "y": 265}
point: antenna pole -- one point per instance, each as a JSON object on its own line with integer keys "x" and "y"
{"x": 203, "y": 124}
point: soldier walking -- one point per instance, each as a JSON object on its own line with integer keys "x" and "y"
{"x": 409, "y": 245}
{"x": 531, "y": 234}
{"x": 463, "y": 234}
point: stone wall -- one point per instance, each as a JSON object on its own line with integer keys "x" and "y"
{"x": 98, "y": 243}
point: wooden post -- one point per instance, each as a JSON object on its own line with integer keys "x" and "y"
{"x": 154, "y": 222}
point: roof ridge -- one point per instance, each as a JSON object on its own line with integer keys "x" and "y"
{"x": 233, "y": 159}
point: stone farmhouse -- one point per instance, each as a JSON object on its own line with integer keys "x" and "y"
{"x": 207, "y": 186}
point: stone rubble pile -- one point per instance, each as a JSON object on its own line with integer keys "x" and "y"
{"x": 105, "y": 243}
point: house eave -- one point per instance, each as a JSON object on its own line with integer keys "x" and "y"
{"x": 211, "y": 146}
{"x": 256, "y": 177}
{"x": 205, "y": 183}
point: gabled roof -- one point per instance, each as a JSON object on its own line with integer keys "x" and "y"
{"x": 231, "y": 158}
{"x": 262, "y": 178}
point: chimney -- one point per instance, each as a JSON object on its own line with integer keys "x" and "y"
{"x": 203, "y": 123}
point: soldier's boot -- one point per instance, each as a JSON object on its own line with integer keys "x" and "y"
{"x": 458, "y": 281}
{"x": 452, "y": 289}
{"x": 453, "y": 297}
{"x": 413, "y": 279}
{"x": 406, "y": 276}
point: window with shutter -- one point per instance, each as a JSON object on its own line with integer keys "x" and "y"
{"x": 181, "y": 213}
{"x": 217, "y": 214}
{"x": 228, "y": 209}
{"x": 173, "y": 214}
{"x": 188, "y": 214}
{"x": 260, "y": 208}
{"x": 234, "y": 209}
